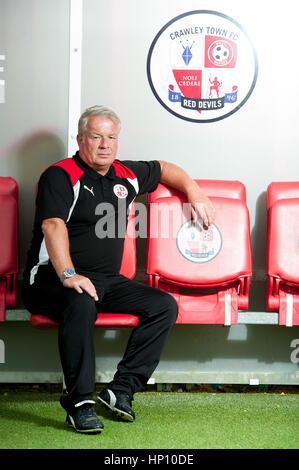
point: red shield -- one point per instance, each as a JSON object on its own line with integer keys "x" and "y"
{"x": 189, "y": 82}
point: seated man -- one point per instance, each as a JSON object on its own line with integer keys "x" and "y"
{"x": 72, "y": 273}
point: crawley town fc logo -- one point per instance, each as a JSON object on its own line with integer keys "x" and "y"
{"x": 198, "y": 244}
{"x": 202, "y": 66}
{"x": 120, "y": 191}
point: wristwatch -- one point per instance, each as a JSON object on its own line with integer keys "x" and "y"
{"x": 67, "y": 273}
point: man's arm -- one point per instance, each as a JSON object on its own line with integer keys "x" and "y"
{"x": 57, "y": 244}
{"x": 177, "y": 178}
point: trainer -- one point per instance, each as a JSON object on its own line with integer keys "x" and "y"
{"x": 72, "y": 274}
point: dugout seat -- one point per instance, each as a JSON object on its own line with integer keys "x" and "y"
{"x": 128, "y": 269}
{"x": 207, "y": 271}
{"x": 283, "y": 251}
{"x": 9, "y": 256}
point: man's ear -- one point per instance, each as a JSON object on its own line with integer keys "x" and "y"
{"x": 79, "y": 139}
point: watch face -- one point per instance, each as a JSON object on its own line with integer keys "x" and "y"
{"x": 69, "y": 272}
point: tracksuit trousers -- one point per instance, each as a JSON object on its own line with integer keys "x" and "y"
{"x": 76, "y": 314}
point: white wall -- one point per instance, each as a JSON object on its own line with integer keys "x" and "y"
{"x": 257, "y": 144}
{"x": 34, "y": 37}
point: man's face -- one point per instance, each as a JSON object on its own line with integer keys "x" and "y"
{"x": 98, "y": 146}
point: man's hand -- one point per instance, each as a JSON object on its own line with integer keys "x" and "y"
{"x": 200, "y": 204}
{"x": 202, "y": 207}
{"x": 80, "y": 284}
{"x": 57, "y": 243}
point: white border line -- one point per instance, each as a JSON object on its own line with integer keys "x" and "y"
{"x": 227, "y": 309}
{"x": 289, "y": 310}
{"x": 75, "y": 69}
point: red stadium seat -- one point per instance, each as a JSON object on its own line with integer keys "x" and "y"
{"x": 283, "y": 251}
{"x": 128, "y": 269}
{"x": 8, "y": 243}
{"x": 207, "y": 271}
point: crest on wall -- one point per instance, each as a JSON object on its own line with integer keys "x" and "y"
{"x": 201, "y": 66}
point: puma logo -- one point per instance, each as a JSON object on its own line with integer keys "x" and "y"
{"x": 89, "y": 189}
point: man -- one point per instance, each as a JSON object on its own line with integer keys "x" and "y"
{"x": 72, "y": 274}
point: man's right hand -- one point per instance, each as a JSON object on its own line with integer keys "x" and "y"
{"x": 57, "y": 244}
{"x": 80, "y": 284}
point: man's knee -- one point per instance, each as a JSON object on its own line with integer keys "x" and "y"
{"x": 81, "y": 307}
{"x": 167, "y": 306}
{"x": 172, "y": 307}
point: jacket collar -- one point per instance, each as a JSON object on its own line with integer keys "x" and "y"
{"x": 91, "y": 172}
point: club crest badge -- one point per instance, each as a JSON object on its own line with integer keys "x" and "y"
{"x": 201, "y": 66}
{"x": 120, "y": 191}
{"x": 197, "y": 244}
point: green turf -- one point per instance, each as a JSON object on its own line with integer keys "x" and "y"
{"x": 35, "y": 420}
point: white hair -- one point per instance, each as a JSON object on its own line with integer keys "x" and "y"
{"x": 96, "y": 111}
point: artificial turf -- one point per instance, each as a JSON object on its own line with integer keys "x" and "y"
{"x": 164, "y": 420}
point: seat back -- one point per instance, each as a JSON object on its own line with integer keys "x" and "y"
{"x": 188, "y": 253}
{"x": 283, "y": 240}
{"x": 283, "y": 248}
{"x": 9, "y": 255}
{"x": 185, "y": 255}
{"x": 182, "y": 252}
{"x": 215, "y": 188}
{"x": 281, "y": 190}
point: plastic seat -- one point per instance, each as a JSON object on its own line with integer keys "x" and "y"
{"x": 283, "y": 251}
{"x": 9, "y": 256}
{"x": 207, "y": 271}
{"x": 128, "y": 269}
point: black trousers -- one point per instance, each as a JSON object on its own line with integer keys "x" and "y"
{"x": 76, "y": 314}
